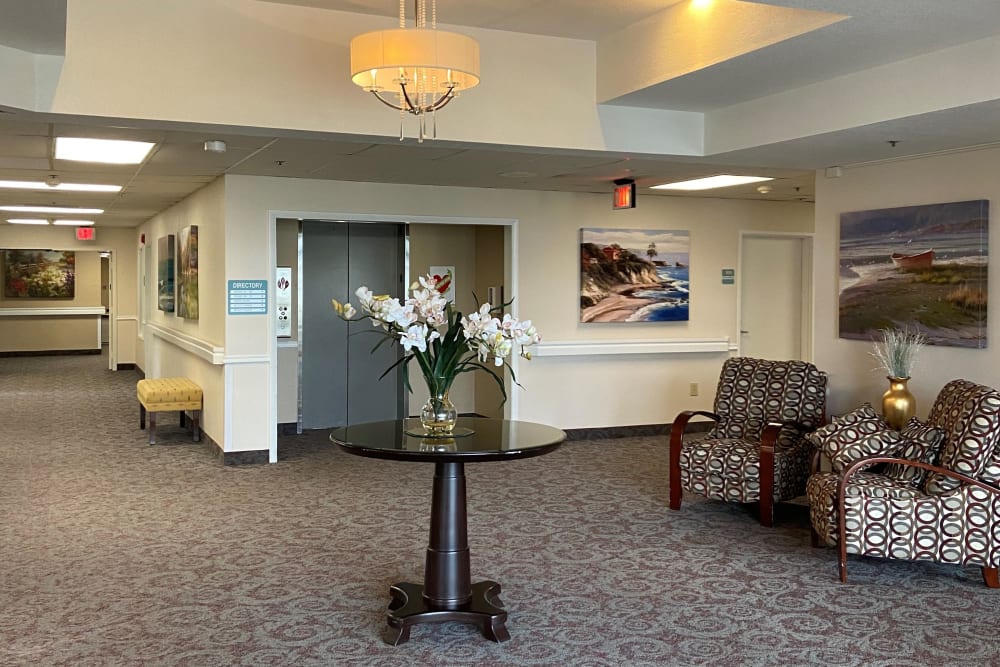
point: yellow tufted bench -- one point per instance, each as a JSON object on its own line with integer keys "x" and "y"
{"x": 166, "y": 395}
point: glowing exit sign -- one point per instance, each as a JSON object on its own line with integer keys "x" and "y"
{"x": 85, "y": 234}
{"x": 624, "y": 194}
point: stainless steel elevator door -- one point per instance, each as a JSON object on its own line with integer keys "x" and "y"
{"x": 340, "y": 375}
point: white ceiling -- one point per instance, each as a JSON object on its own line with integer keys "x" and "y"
{"x": 878, "y": 32}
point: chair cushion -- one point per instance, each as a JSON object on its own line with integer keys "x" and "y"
{"x": 969, "y": 414}
{"x": 163, "y": 394}
{"x": 892, "y": 519}
{"x": 729, "y": 469}
{"x": 854, "y": 436}
{"x": 921, "y": 442}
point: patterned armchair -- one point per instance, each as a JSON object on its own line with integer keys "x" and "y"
{"x": 936, "y": 500}
{"x": 756, "y": 451}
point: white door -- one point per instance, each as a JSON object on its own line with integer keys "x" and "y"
{"x": 775, "y": 293}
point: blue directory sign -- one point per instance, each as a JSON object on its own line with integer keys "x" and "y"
{"x": 247, "y": 297}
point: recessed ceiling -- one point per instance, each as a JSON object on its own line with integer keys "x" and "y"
{"x": 877, "y": 33}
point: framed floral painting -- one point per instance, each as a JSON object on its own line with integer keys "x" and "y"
{"x": 39, "y": 274}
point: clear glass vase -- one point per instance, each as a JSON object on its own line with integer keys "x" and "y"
{"x": 439, "y": 415}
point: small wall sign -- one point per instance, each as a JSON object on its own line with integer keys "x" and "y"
{"x": 247, "y": 297}
{"x": 728, "y": 276}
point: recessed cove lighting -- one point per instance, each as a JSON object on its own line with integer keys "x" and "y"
{"x": 71, "y": 187}
{"x": 53, "y": 209}
{"x": 110, "y": 151}
{"x": 73, "y": 223}
{"x": 27, "y": 221}
{"x": 720, "y": 181}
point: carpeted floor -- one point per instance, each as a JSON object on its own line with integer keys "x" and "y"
{"x": 113, "y": 552}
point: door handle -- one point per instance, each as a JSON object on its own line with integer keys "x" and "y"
{"x": 744, "y": 331}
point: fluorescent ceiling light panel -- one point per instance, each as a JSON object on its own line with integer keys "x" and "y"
{"x": 712, "y": 182}
{"x": 72, "y": 187}
{"x": 110, "y": 151}
{"x": 73, "y": 223}
{"x": 53, "y": 209}
{"x": 26, "y": 221}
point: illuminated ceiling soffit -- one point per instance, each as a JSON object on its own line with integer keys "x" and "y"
{"x": 692, "y": 35}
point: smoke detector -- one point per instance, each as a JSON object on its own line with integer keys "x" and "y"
{"x": 764, "y": 189}
{"x": 52, "y": 181}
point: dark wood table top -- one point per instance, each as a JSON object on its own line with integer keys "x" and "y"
{"x": 489, "y": 440}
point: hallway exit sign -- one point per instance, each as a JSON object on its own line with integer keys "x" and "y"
{"x": 85, "y": 234}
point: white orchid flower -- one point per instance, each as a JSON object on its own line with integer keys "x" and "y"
{"x": 414, "y": 337}
{"x": 525, "y": 333}
{"x": 349, "y": 311}
{"x": 502, "y": 351}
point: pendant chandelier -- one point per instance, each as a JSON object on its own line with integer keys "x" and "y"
{"x": 416, "y": 70}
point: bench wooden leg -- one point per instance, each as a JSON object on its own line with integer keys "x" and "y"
{"x": 183, "y": 419}
{"x": 196, "y": 425}
{"x": 152, "y": 428}
{"x": 142, "y": 416}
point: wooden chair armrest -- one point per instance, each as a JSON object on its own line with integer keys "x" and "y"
{"x": 680, "y": 425}
{"x": 676, "y": 437}
{"x": 681, "y": 421}
{"x": 861, "y": 464}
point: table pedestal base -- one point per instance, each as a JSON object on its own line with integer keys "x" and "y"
{"x": 408, "y": 608}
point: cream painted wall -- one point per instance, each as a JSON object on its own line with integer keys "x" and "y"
{"x": 206, "y": 209}
{"x": 146, "y": 59}
{"x": 944, "y": 178}
{"x": 122, "y": 244}
{"x": 567, "y": 392}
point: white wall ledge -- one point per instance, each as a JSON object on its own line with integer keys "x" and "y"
{"x": 617, "y": 347}
{"x": 200, "y": 348}
{"x": 68, "y": 311}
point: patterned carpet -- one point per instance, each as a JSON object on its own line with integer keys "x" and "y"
{"x": 113, "y": 552}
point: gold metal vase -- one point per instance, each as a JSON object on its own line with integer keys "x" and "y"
{"x": 898, "y": 404}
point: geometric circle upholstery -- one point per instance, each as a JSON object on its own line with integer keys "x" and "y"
{"x": 725, "y": 464}
{"x": 856, "y": 435}
{"x": 923, "y": 444}
{"x": 969, "y": 415}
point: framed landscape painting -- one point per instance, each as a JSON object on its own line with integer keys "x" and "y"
{"x": 187, "y": 274}
{"x": 39, "y": 274}
{"x": 634, "y": 275}
{"x": 921, "y": 269}
{"x": 165, "y": 273}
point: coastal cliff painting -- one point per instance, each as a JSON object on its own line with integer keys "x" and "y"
{"x": 634, "y": 275}
{"x": 919, "y": 268}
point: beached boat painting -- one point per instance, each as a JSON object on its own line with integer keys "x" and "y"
{"x": 634, "y": 275}
{"x": 920, "y": 268}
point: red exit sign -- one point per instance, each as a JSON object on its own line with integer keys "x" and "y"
{"x": 624, "y": 194}
{"x": 85, "y": 234}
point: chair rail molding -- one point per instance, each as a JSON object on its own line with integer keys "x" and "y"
{"x": 211, "y": 353}
{"x": 67, "y": 311}
{"x": 617, "y": 347}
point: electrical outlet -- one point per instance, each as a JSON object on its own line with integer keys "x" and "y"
{"x": 693, "y": 389}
